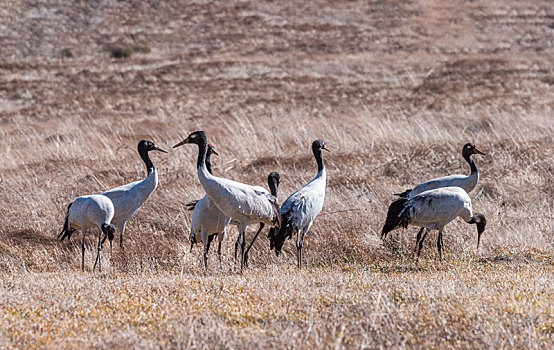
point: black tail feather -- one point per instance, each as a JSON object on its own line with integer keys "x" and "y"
{"x": 66, "y": 231}
{"x": 393, "y": 219}
{"x": 404, "y": 194}
{"x": 191, "y": 205}
{"x": 403, "y": 218}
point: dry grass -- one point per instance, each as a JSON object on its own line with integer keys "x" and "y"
{"x": 395, "y": 89}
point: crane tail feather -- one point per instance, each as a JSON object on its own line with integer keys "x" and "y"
{"x": 190, "y": 206}
{"x": 404, "y": 194}
{"x": 393, "y": 216}
{"x": 404, "y": 217}
{"x": 66, "y": 231}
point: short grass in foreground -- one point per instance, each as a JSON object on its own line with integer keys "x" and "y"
{"x": 499, "y": 301}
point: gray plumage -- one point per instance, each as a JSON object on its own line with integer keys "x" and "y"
{"x": 302, "y": 207}
{"x": 207, "y": 219}
{"x": 127, "y": 199}
{"x": 434, "y": 209}
{"x": 467, "y": 182}
{"x": 87, "y": 212}
{"x": 246, "y": 204}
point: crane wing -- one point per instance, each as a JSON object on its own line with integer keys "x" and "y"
{"x": 445, "y": 181}
{"x": 299, "y": 208}
{"x": 125, "y": 202}
{"x": 439, "y": 205}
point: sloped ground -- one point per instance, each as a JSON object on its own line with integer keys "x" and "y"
{"x": 395, "y": 88}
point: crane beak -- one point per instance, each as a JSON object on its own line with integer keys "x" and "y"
{"x": 327, "y": 149}
{"x": 214, "y": 152}
{"x": 160, "y": 149}
{"x": 182, "y": 143}
{"x": 476, "y": 151}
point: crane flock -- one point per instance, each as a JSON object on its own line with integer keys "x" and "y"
{"x": 430, "y": 205}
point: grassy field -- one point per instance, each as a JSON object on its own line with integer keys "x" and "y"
{"x": 395, "y": 88}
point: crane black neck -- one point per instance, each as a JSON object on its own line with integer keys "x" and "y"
{"x": 209, "y": 162}
{"x": 202, "y": 150}
{"x": 146, "y": 159}
{"x": 319, "y": 160}
{"x": 273, "y": 185}
{"x": 471, "y": 163}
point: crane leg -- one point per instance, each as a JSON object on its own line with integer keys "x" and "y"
{"x": 439, "y": 245}
{"x": 83, "y": 250}
{"x": 298, "y": 248}
{"x": 206, "y": 249}
{"x": 242, "y": 246}
{"x": 240, "y": 242}
{"x": 251, "y": 243}
{"x": 300, "y": 243}
{"x": 219, "y": 252}
{"x": 418, "y": 238}
{"x": 237, "y": 244}
{"x": 98, "y": 255}
{"x": 421, "y": 243}
{"x": 298, "y": 256}
{"x": 121, "y": 229}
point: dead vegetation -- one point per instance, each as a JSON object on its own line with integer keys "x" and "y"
{"x": 394, "y": 88}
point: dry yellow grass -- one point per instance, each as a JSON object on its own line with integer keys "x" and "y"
{"x": 395, "y": 89}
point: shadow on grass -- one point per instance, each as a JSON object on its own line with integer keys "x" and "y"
{"x": 29, "y": 237}
{"x": 525, "y": 258}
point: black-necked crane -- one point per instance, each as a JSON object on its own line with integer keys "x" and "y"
{"x": 301, "y": 208}
{"x": 128, "y": 199}
{"x": 246, "y": 204}
{"x": 434, "y": 209}
{"x": 87, "y": 212}
{"x": 207, "y": 220}
{"x": 467, "y": 182}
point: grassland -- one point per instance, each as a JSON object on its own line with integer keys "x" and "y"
{"x": 395, "y": 88}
